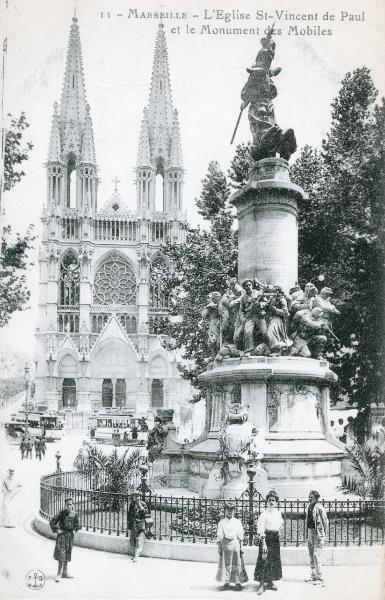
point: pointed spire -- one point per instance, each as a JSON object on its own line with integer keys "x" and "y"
{"x": 160, "y": 102}
{"x": 88, "y": 146}
{"x": 176, "y": 159}
{"x": 54, "y": 151}
{"x": 73, "y": 101}
{"x": 144, "y": 156}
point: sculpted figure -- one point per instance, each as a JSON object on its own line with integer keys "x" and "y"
{"x": 277, "y": 319}
{"x": 156, "y": 439}
{"x": 257, "y": 94}
{"x": 329, "y": 311}
{"x": 212, "y": 315}
{"x": 309, "y": 338}
{"x": 251, "y": 318}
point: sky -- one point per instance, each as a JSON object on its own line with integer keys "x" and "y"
{"x": 318, "y": 42}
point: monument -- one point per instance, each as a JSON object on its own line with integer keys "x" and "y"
{"x": 267, "y": 337}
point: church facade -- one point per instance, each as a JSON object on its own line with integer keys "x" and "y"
{"x": 99, "y": 292}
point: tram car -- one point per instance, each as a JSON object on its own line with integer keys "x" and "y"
{"x": 121, "y": 428}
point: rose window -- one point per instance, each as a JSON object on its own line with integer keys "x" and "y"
{"x": 115, "y": 283}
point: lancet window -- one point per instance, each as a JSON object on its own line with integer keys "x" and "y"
{"x": 69, "y": 280}
{"x": 158, "y": 298}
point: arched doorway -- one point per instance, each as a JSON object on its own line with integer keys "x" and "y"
{"x": 157, "y": 393}
{"x": 69, "y": 393}
{"x": 107, "y": 393}
{"x": 120, "y": 392}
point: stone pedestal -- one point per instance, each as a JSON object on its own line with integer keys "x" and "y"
{"x": 267, "y": 210}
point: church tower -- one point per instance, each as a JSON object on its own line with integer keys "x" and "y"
{"x": 71, "y": 165}
{"x": 100, "y": 268}
{"x": 160, "y": 150}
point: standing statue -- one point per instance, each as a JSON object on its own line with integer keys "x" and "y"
{"x": 252, "y": 318}
{"x": 156, "y": 439}
{"x": 258, "y": 94}
{"x": 212, "y": 315}
{"x": 277, "y": 316}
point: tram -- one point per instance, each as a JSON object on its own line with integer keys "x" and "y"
{"x": 38, "y": 424}
{"x": 119, "y": 428}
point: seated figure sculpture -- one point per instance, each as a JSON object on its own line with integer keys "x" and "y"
{"x": 308, "y": 338}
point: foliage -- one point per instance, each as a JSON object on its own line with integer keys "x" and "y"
{"x": 199, "y": 267}
{"x": 11, "y": 386}
{"x": 14, "y": 263}
{"x": 108, "y": 473}
{"x": 14, "y": 293}
{"x": 16, "y": 151}
{"x": 368, "y": 463}
{"x": 341, "y": 235}
{"x": 240, "y": 165}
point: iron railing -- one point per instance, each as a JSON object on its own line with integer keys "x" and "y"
{"x": 182, "y": 519}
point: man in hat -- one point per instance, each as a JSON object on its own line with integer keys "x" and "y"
{"x": 10, "y": 487}
{"x": 316, "y": 527}
{"x": 231, "y": 569}
{"x": 65, "y": 524}
{"x": 136, "y": 523}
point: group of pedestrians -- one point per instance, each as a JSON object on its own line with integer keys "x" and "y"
{"x": 27, "y": 444}
{"x": 268, "y": 568}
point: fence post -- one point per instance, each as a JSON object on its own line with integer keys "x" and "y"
{"x": 251, "y": 471}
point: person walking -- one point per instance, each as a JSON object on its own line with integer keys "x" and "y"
{"x": 136, "y": 522}
{"x": 269, "y": 567}
{"x": 65, "y": 524}
{"x": 231, "y": 568}
{"x": 28, "y": 447}
{"x": 42, "y": 446}
{"x": 37, "y": 448}
{"x": 316, "y": 526}
{"x": 22, "y": 448}
{"x": 10, "y": 487}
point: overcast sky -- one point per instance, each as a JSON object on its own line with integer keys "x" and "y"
{"x": 207, "y": 69}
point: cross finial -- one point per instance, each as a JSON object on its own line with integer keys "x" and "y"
{"x": 115, "y": 181}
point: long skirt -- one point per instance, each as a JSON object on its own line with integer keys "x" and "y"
{"x": 136, "y": 542}
{"x": 231, "y": 568}
{"x": 269, "y": 568}
{"x": 63, "y": 546}
{"x": 8, "y": 516}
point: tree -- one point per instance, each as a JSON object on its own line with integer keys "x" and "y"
{"x": 14, "y": 293}
{"x": 16, "y": 151}
{"x": 341, "y": 235}
{"x": 199, "y": 266}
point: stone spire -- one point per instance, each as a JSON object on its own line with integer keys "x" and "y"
{"x": 176, "y": 159}
{"x": 144, "y": 156}
{"x": 54, "y": 150}
{"x": 88, "y": 147}
{"x": 160, "y": 149}
{"x": 72, "y": 140}
{"x": 160, "y": 103}
{"x": 73, "y": 105}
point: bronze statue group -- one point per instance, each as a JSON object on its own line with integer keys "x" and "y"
{"x": 268, "y": 569}
{"x": 255, "y": 319}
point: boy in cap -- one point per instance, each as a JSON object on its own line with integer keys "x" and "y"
{"x": 231, "y": 569}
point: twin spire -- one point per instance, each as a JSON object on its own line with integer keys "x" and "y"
{"x": 159, "y": 152}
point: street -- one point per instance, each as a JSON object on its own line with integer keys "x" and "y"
{"x": 105, "y": 575}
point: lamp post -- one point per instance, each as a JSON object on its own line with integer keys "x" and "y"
{"x": 26, "y": 373}
{"x": 251, "y": 471}
{"x": 143, "y": 480}
{"x": 58, "y": 457}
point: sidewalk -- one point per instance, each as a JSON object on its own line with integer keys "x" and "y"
{"x": 108, "y": 576}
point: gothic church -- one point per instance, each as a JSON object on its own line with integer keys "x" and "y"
{"x": 99, "y": 293}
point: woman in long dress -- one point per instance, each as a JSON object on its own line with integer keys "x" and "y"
{"x": 269, "y": 567}
{"x": 136, "y": 521}
{"x": 231, "y": 568}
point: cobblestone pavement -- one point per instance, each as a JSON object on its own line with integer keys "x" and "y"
{"x": 105, "y": 575}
